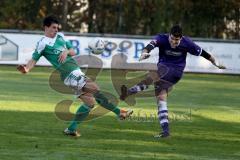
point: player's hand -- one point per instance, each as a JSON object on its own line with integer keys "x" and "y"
{"x": 63, "y": 56}
{"x": 144, "y": 55}
{"x": 219, "y": 66}
{"x": 22, "y": 68}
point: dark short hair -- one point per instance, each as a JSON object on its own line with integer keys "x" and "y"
{"x": 176, "y": 30}
{"x": 50, "y": 20}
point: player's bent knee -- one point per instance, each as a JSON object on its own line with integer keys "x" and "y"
{"x": 88, "y": 99}
{"x": 91, "y": 87}
{"x": 96, "y": 88}
{"x": 162, "y": 96}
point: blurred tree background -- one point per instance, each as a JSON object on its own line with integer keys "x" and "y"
{"x": 199, "y": 18}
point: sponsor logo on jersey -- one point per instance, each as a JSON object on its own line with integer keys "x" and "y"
{"x": 173, "y": 53}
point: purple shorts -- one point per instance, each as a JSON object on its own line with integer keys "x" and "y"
{"x": 169, "y": 75}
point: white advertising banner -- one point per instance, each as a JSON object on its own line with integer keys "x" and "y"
{"x": 17, "y": 48}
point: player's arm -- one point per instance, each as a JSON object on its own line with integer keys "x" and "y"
{"x": 71, "y": 52}
{"x": 35, "y": 57}
{"x": 68, "y": 51}
{"x": 26, "y": 68}
{"x": 146, "y": 50}
{"x": 196, "y": 50}
{"x": 212, "y": 59}
{"x": 65, "y": 53}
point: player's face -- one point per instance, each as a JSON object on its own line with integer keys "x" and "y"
{"x": 174, "y": 41}
{"x": 52, "y": 30}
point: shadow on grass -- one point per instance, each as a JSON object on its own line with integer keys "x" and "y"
{"x": 24, "y": 133}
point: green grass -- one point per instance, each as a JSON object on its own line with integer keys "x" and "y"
{"x": 204, "y": 112}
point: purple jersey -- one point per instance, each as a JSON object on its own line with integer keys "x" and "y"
{"x": 175, "y": 57}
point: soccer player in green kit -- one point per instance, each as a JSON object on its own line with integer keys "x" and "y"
{"x": 58, "y": 51}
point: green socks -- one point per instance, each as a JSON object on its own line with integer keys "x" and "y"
{"x": 104, "y": 102}
{"x": 81, "y": 114}
{"x": 83, "y": 110}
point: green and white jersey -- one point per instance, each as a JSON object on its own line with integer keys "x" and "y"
{"x": 51, "y": 49}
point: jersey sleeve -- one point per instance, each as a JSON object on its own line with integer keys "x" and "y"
{"x": 38, "y": 51}
{"x": 156, "y": 41}
{"x": 193, "y": 48}
{"x": 68, "y": 43}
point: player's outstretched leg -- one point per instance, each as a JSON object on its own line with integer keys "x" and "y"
{"x": 102, "y": 100}
{"x": 82, "y": 113}
{"x": 125, "y": 92}
{"x": 143, "y": 85}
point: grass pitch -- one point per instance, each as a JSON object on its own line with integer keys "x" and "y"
{"x": 204, "y": 112}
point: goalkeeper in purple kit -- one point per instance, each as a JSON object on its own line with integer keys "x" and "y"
{"x": 173, "y": 49}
